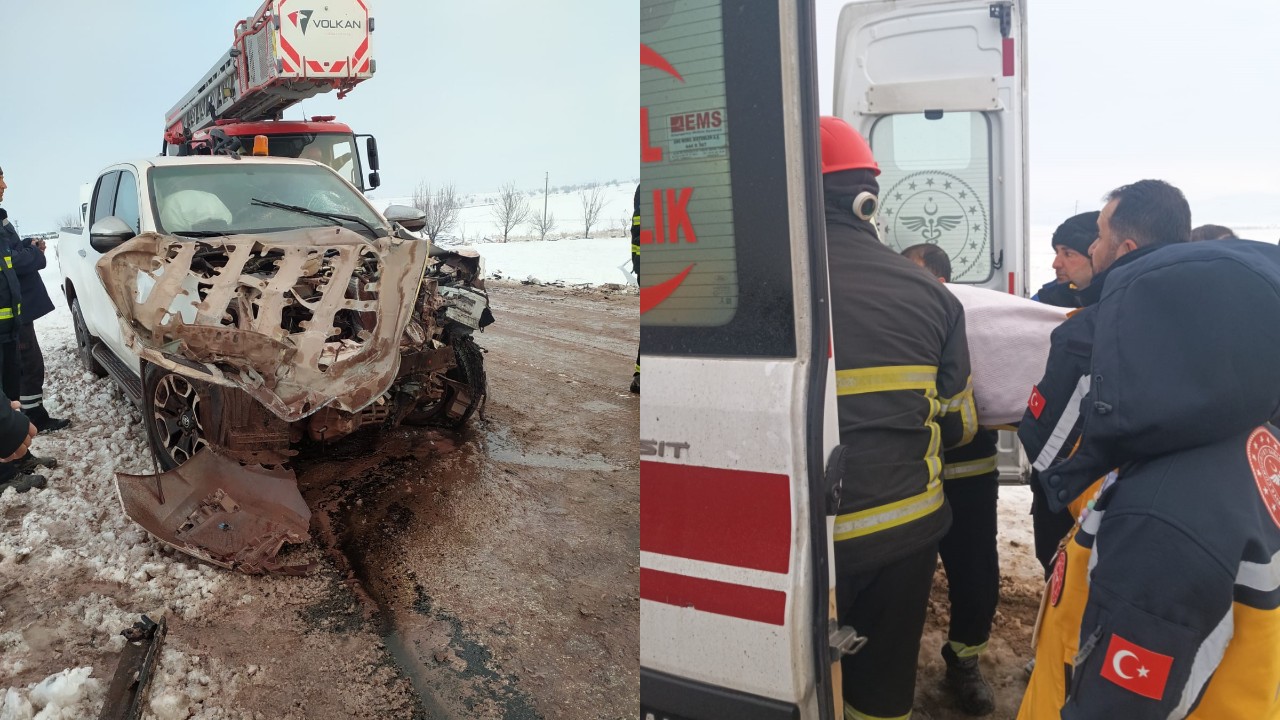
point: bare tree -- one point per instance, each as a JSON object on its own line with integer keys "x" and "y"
{"x": 624, "y": 223}
{"x": 542, "y": 225}
{"x": 511, "y": 210}
{"x": 70, "y": 220}
{"x": 441, "y": 208}
{"x": 592, "y": 204}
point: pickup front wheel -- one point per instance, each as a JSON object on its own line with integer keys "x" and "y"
{"x": 172, "y": 410}
{"x": 85, "y": 341}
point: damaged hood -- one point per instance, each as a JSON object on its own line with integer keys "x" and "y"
{"x": 300, "y": 320}
{"x": 1184, "y": 355}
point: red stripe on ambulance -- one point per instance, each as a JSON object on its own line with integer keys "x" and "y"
{"x": 731, "y": 517}
{"x": 713, "y": 596}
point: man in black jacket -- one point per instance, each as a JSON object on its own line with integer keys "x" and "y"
{"x": 903, "y": 394}
{"x": 970, "y": 482}
{"x": 1137, "y": 220}
{"x": 28, "y": 260}
{"x": 14, "y": 438}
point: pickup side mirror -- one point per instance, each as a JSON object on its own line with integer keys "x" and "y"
{"x": 110, "y": 233}
{"x": 409, "y": 218}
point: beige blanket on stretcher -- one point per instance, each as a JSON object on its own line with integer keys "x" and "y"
{"x": 1008, "y": 347}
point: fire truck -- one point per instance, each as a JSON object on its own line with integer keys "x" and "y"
{"x": 737, "y": 422}
{"x": 283, "y": 54}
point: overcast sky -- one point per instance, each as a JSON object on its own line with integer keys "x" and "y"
{"x": 486, "y": 91}
{"x": 477, "y": 92}
{"x": 1182, "y": 91}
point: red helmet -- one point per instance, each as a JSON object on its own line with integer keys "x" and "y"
{"x": 843, "y": 148}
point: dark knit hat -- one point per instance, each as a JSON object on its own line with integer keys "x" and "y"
{"x": 1078, "y": 232}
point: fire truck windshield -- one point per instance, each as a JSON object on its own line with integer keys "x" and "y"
{"x": 219, "y": 198}
{"x": 337, "y": 150}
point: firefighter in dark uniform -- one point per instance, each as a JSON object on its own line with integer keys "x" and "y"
{"x": 970, "y": 482}
{"x": 904, "y": 394}
{"x": 635, "y": 268}
{"x": 14, "y": 426}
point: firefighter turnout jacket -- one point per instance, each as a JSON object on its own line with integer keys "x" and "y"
{"x": 902, "y": 385}
{"x": 1164, "y": 602}
{"x": 10, "y": 289}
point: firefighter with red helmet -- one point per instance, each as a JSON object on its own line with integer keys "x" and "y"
{"x": 903, "y": 395}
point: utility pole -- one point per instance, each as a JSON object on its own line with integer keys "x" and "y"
{"x": 545, "y": 189}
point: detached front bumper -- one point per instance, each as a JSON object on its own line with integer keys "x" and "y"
{"x": 232, "y": 515}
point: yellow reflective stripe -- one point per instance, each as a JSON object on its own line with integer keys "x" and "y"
{"x": 635, "y": 249}
{"x": 933, "y": 455}
{"x": 970, "y": 468}
{"x": 637, "y": 367}
{"x": 8, "y": 261}
{"x": 635, "y": 220}
{"x": 865, "y": 522}
{"x": 963, "y": 404}
{"x": 6, "y": 313}
{"x": 886, "y": 379}
{"x": 851, "y": 714}
{"x": 967, "y": 651}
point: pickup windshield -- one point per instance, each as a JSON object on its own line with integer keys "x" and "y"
{"x": 220, "y": 199}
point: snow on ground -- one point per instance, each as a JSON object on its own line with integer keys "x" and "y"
{"x": 593, "y": 261}
{"x": 566, "y": 256}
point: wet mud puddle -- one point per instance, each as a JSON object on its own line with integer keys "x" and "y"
{"x": 372, "y": 525}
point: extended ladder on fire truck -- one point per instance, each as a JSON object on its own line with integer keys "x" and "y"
{"x": 280, "y": 56}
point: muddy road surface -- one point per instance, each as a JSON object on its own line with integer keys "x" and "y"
{"x": 488, "y": 574}
{"x": 501, "y": 562}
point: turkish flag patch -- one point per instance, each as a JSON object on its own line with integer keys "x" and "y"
{"x": 1136, "y": 668}
{"x": 1036, "y": 403}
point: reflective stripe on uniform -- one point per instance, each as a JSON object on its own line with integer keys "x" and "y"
{"x": 966, "y": 651}
{"x": 635, "y": 249}
{"x": 865, "y": 522}
{"x": 851, "y": 714}
{"x": 7, "y": 313}
{"x": 933, "y": 456}
{"x": 969, "y": 468}
{"x": 8, "y": 261}
{"x": 886, "y": 379}
{"x": 893, "y": 378}
{"x": 963, "y": 404}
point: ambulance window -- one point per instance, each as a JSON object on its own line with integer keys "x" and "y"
{"x": 715, "y": 257}
{"x": 935, "y": 187}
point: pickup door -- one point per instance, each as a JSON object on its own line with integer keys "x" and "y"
{"x": 119, "y": 192}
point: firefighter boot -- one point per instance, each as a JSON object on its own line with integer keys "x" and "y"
{"x": 45, "y": 424}
{"x": 22, "y": 483}
{"x": 965, "y": 683}
{"x": 30, "y": 463}
{"x": 635, "y": 383}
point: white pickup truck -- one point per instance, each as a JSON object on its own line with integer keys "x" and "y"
{"x": 252, "y": 306}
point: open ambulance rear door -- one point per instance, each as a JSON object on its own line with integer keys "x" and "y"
{"x": 737, "y": 413}
{"x": 938, "y": 87}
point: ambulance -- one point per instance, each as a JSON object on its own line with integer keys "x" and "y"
{"x": 738, "y": 423}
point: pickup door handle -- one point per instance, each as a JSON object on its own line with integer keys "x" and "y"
{"x": 82, "y": 252}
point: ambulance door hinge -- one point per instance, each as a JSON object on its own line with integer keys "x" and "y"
{"x": 1002, "y": 11}
{"x": 845, "y": 641}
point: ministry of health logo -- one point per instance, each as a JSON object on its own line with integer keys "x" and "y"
{"x": 940, "y": 209}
